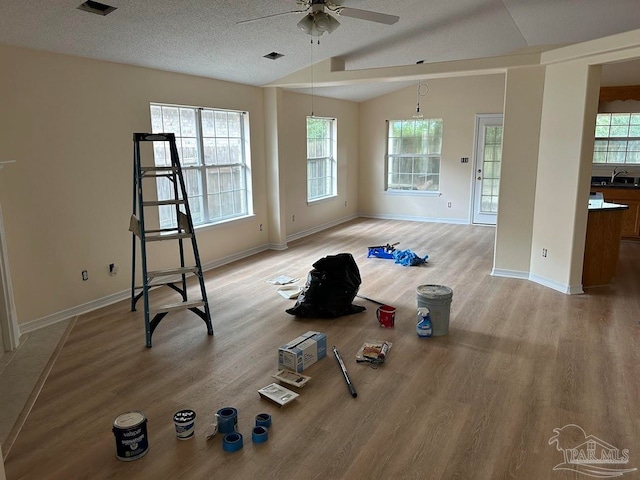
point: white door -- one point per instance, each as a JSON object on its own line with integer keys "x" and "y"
{"x": 487, "y": 161}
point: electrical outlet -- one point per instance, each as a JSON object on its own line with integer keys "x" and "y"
{"x": 260, "y": 227}
{"x": 113, "y": 269}
{"x": 85, "y": 275}
{"x": 293, "y": 218}
{"x": 449, "y": 204}
{"x": 464, "y": 159}
{"x": 544, "y": 252}
{"x": 345, "y": 203}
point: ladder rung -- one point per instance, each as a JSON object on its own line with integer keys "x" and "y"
{"x": 172, "y": 236}
{"x": 153, "y": 137}
{"x": 171, "y": 271}
{"x": 176, "y": 306}
{"x": 155, "y": 203}
{"x": 159, "y": 168}
{"x": 169, "y": 172}
{"x": 162, "y": 230}
{"x": 154, "y": 284}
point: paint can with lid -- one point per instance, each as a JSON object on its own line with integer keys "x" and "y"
{"x": 437, "y": 298}
{"x": 130, "y": 430}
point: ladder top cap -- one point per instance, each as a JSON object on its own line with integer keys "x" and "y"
{"x": 153, "y": 137}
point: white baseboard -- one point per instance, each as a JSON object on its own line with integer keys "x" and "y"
{"x": 560, "y": 287}
{"x": 232, "y": 258}
{"x": 72, "y": 312}
{"x": 410, "y": 218}
{"x": 319, "y": 228}
{"x": 500, "y": 272}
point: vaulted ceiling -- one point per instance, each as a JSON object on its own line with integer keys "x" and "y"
{"x": 203, "y": 37}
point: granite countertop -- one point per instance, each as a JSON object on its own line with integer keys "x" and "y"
{"x": 619, "y": 182}
{"x": 630, "y": 186}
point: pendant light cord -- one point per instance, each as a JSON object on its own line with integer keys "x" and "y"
{"x": 312, "y": 76}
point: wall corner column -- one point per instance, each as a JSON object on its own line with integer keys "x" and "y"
{"x": 524, "y": 89}
{"x": 564, "y": 168}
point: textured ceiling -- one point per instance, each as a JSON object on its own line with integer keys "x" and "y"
{"x": 202, "y": 37}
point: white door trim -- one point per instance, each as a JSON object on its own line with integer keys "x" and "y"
{"x": 480, "y": 120}
{"x": 9, "y": 331}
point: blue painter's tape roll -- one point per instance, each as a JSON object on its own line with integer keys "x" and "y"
{"x": 259, "y": 434}
{"x": 263, "y": 420}
{"x": 232, "y": 442}
{"x": 227, "y": 420}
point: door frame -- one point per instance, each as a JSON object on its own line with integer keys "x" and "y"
{"x": 9, "y": 331}
{"x": 479, "y": 119}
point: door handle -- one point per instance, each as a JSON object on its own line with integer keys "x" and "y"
{"x": 479, "y": 178}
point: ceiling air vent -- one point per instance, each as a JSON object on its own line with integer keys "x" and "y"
{"x": 273, "y": 55}
{"x": 96, "y": 7}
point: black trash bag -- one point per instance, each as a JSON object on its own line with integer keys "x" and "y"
{"x": 331, "y": 287}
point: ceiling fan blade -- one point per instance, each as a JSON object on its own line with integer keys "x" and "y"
{"x": 269, "y": 16}
{"x": 367, "y": 15}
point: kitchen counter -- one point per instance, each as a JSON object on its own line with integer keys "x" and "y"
{"x": 602, "y": 205}
{"x": 629, "y": 196}
{"x": 630, "y": 186}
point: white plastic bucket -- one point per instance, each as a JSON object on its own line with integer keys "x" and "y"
{"x": 437, "y": 298}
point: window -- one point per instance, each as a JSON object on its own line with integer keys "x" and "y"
{"x": 491, "y": 164}
{"x": 413, "y": 154}
{"x": 321, "y": 158}
{"x": 617, "y": 138}
{"x": 213, "y": 148}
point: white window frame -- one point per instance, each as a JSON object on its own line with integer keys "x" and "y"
{"x": 198, "y": 154}
{"x": 417, "y": 182}
{"x": 322, "y": 170}
{"x": 617, "y": 137}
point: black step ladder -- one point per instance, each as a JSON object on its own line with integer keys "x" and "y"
{"x": 175, "y": 277}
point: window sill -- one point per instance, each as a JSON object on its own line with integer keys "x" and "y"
{"x": 412, "y": 193}
{"x": 322, "y": 200}
{"x": 224, "y": 223}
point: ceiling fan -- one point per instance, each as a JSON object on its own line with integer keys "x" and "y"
{"x": 318, "y": 21}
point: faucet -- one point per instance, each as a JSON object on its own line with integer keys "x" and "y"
{"x": 615, "y": 174}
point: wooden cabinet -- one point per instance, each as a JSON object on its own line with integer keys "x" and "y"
{"x": 602, "y": 247}
{"x": 631, "y": 217}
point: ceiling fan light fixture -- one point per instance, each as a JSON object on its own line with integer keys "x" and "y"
{"x": 316, "y": 23}
{"x": 306, "y": 24}
{"x": 325, "y": 22}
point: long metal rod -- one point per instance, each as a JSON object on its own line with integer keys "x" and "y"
{"x": 350, "y": 386}
{"x": 371, "y": 300}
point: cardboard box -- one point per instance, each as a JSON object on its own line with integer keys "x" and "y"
{"x": 302, "y": 352}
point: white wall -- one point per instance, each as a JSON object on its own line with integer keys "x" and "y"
{"x": 293, "y": 153}
{"x": 456, "y": 101}
{"x": 68, "y": 122}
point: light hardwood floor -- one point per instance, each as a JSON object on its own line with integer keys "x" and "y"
{"x": 480, "y": 403}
